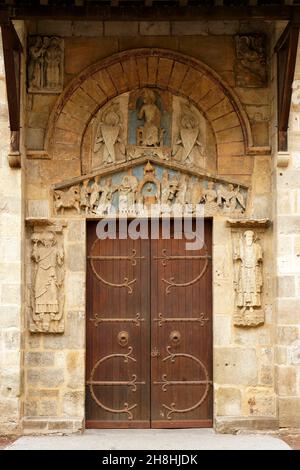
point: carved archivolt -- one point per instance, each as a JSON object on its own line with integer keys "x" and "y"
{"x": 248, "y": 279}
{"x": 46, "y": 291}
{"x": 135, "y": 189}
{"x": 135, "y": 69}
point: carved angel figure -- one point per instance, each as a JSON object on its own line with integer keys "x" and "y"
{"x": 188, "y": 147}
{"x": 230, "y": 199}
{"x": 108, "y": 135}
{"x": 47, "y": 282}
{"x": 248, "y": 281}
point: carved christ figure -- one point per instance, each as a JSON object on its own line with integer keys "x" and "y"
{"x": 248, "y": 273}
{"x": 48, "y": 257}
{"x": 151, "y": 115}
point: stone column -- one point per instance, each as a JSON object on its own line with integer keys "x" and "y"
{"x": 287, "y": 226}
{"x": 11, "y": 242}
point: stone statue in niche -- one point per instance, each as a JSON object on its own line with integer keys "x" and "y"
{"x": 47, "y": 296}
{"x": 250, "y": 66}
{"x": 230, "y": 199}
{"x": 248, "y": 280}
{"x": 45, "y": 67}
{"x": 69, "y": 199}
{"x": 151, "y": 134}
{"x": 188, "y": 147}
{"x": 108, "y": 138}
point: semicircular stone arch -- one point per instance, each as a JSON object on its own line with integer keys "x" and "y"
{"x": 138, "y": 68}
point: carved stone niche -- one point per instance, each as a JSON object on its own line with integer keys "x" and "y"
{"x": 46, "y": 286}
{"x": 45, "y": 70}
{"x": 248, "y": 271}
{"x": 251, "y": 60}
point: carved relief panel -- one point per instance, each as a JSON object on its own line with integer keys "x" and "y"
{"x": 148, "y": 123}
{"x": 251, "y": 60}
{"x": 45, "y": 64}
{"x": 46, "y": 302}
{"x": 136, "y": 188}
{"x": 248, "y": 278}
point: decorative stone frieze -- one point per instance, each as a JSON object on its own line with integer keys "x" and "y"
{"x": 132, "y": 189}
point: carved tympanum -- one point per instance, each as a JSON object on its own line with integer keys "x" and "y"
{"x": 45, "y": 67}
{"x": 148, "y": 123}
{"x": 47, "y": 299}
{"x": 250, "y": 66}
{"x": 248, "y": 280}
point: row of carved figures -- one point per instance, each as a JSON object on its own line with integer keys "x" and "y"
{"x": 95, "y": 196}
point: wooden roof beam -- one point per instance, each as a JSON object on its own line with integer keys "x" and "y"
{"x": 12, "y": 49}
{"x": 286, "y": 49}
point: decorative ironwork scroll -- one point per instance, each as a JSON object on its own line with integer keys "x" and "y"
{"x": 136, "y": 321}
{"x": 165, "y": 383}
{"x": 126, "y": 282}
{"x": 130, "y": 383}
{"x": 171, "y": 282}
{"x": 161, "y": 319}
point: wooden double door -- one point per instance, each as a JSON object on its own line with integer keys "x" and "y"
{"x": 149, "y": 332}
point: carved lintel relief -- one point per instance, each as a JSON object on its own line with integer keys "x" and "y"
{"x": 46, "y": 304}
{"x": 251, "y": 60}
{"x": 133, "y": 190}
{"x": 45, "y": 67}
{"x": 248, "y": 278}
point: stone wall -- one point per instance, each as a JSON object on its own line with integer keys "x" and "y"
{"x": 245, "y": 384}
{"x": 287, "y": 180}
{"x": 55, "y": 364}
{"x": 11, "y": 266}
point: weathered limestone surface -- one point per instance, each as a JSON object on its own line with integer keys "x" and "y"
{"x": 245, "y": 382}
{"x": 288, "y": 275}
{"x": 11, "y": 270}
